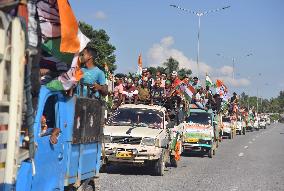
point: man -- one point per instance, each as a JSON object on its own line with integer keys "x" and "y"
{"x": 195, "y": 83}
{"x": 175, "y": 79}
{"x": 92, "y": 75}
{"x": 130, "y": 92}
{"x": 143, "y": 92}
{"x": 157, "y": 92}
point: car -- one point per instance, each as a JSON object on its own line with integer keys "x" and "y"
{"x": 262, "y": 123}
{"x": 256, "y": 125}
{"x": 240, "y": 127}
{"x": 228, "y": 127}
{"x": 140, "y": 135}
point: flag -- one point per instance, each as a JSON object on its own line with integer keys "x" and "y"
{"x": 139, "y": 71}
{"x": 187, "y": 92}
{"x": 208, "y": 81}
{"x": 69, "y": 28}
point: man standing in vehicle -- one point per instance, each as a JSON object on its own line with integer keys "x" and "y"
{"x": 92, "y": 75}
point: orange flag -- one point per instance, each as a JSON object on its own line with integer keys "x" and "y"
{"x": 69, "y": 28}
{"x": 140, "y": 61}
{"x": 219, "y": 83}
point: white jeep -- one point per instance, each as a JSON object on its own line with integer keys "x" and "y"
{"x": 137, "y": 135}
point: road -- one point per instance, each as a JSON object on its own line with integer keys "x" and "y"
{"x": 254, "y": 162}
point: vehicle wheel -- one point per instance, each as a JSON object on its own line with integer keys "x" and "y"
{"x": 265, "y": 127}
{"x": 244, "y": 131}
{"x": 103, "y": 168}
{"x": 210, "y": 153}
{"x": 230, "y": 136}
{"x": 173, "y": 161}
{"x": 159, "y": 167}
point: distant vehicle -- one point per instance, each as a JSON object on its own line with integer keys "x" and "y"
{"x": 256, "y": 125}
{"x": 268, "y": 121}
{"x": 140, "y": 135}
{"x": 241, "y": 128}
{"x": 262, "y": 123}
{"x": 228, "y": 129}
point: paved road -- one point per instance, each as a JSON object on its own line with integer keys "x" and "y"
{"x": 254, "y": 162}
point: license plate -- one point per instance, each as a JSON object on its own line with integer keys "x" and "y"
{"x": 124, "y": 155}
{"x": 192, "y": 140}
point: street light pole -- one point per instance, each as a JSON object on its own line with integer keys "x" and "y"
{"x": 199, "y": 15}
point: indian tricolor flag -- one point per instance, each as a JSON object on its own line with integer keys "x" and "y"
{"x": 139, "y": 71}
{"x": 221, "y": 88}
{"x": 208, "y": 81}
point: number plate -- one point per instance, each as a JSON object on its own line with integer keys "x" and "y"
{"x": 124, "y": 154}
{"x": 192, "y": 140}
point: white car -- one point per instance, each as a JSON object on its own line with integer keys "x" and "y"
{"x": 262, "y": 124}
{"x": 227, "y": 127}
{"x": 139, "y": 135}
{"x": 256, "y": 125}
{"x": 240, "y": 127}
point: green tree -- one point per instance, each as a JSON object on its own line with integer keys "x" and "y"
{"x": 100, "y": 42}
{"x": 171, "y": 65}
{"x": 183, "y": 72}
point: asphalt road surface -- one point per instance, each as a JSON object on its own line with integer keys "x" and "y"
{"x": 251, "y": 162}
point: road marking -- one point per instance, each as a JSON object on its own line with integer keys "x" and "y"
{"x": 241, "y": 154}
{"x": 250, "y": 142}
{"x": 253, "y": 139}
{"x": 246, "y": 147}
{"x": 235, "y": 188}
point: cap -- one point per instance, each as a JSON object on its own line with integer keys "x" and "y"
{"x": 195, "y": 78}
{"x": 174, "y": 73}
{"x": 168, "y": 82}
{"x": 144, "y": 70}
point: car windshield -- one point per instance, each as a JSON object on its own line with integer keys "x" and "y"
{"x": 138, "y": 117}
{"x": 226, "y": 119}
{"x": 201, "y": 118}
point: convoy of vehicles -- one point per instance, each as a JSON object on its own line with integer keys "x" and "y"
{"x": 67, "y": 142}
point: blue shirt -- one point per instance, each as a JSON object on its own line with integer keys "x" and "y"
{"x": 92, "y": 76}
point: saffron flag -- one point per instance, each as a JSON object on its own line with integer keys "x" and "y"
{"x": 69, "y": 28}
{"x": 139, "y": 71}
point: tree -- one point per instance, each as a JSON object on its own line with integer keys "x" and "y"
{"x": 183, "y": 72}
{"x": 171, "y": 65}
{"x": 100, "y": 42}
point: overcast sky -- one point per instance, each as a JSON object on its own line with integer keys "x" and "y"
{"x": 158, "y": 31}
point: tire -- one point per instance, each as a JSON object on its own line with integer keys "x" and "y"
{"x": 230, "y": 136}
{"x": 265, "y": 127}
{"x": 244, "y": 131}
{"x": 173, "y": 161}
{"x": 210, "y": 153}
{"x": 103, "y": 168}
{"x": 160, "y": 165}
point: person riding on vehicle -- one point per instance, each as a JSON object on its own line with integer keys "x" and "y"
{"x": 143, "y": 92}
{"x": 157, "y": 93}
{"x": 130, "y": 92}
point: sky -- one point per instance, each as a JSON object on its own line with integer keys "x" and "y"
{"x": 158, "y": 31}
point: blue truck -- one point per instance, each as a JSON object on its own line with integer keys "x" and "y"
{"x": 64, "y": 141}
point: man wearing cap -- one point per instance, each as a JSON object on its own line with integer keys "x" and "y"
{"x": 175, "y": 79}
{"x": 129, "y": 92}
{"x": 92, "y": 75}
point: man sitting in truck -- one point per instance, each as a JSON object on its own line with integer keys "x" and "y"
{"x": 93, "y": 76}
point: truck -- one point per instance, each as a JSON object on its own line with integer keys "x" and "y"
{"x": 64, "y": 138}
{"x": 199, "y": 131}
{"x": 229, "y": 127}
{"x": 141, "y": 135}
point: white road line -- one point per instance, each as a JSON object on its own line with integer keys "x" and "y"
{"x": 253, "y": 139}
{"x": 246, "y": 147}
{"x": 250, "y": 142}
{"x": 241, "y": 154}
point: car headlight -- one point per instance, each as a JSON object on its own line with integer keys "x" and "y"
{"x": 148, "y": 141}
{"x": 107, "y": 139}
